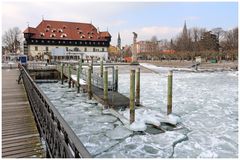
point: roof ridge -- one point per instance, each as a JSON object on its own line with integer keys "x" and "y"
{"x": 66, "y": 22}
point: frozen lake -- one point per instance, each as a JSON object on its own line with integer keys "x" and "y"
{"x": 207, "y": 104}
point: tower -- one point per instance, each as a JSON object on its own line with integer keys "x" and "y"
{"x": 185, "y": 28}
{"x": 119, "y": 41}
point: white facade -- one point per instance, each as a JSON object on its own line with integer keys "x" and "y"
{"x": 39, "y": 50}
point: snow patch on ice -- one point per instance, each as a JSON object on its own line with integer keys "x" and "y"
{"x": 138, "y": 126}
{"x": 81, "y": 81}
{"x": 145, "y": 116}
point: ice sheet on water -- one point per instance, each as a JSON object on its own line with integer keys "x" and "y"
{"x": 143, "y": 146}
{"x": 105, "y": 118}
{"x": 119, "y": 132}
{"x": 206, "y": 103}
{"x": 97, "y": 144}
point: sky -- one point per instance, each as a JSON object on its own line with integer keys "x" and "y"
{"x": 162, "y": 19}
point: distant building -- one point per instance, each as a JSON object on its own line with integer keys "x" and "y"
{"x": 74, "y": 37}
{"x": 112, "y": 50}
{"x": 146, "y": 47}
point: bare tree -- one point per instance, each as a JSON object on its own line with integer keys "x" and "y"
{"x": 12, "y": 39}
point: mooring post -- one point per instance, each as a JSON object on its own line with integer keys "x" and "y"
{"x": 62, "y": 72}
{"x": 132, "y": 96}
{"x": 101, "y": 67}
{"x": 92, "y": 63}
{"x": 105, "y": 85}
{"x": 116, "y": 78}
{"x": 169, "y": 104}
{"x": 69, "y": 76}
{"x": 138, "y": 87}
{"x": 89, "y": 83}
{"x": 78, "y": 77}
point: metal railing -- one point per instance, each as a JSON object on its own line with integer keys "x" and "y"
{"x": 96, "y": 80}
{"x": 40, "y": 65}
{"x": 61, "y": 141}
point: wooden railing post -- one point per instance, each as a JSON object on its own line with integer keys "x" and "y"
{"x": 132, "y": 96}
{"x": 138, "y": 87}
{"x": 169, "y": 103}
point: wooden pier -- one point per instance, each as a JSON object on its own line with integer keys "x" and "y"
{"x": 20, "y": 137}
{"x": 115, "y": 99}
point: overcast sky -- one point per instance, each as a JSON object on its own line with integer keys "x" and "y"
{"x": 165, "y": 20}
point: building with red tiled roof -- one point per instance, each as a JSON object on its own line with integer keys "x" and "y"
{"x": 74, "y": 37}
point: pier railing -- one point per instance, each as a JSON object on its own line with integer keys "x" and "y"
{"x": 60, "y": 140}
{"x": 96, "y": 79}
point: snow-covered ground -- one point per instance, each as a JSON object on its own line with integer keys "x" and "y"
{"x": 207, "y": 104}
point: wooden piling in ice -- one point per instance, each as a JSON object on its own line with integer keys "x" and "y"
{"x": 69, "y": 76}
{"x": 78, "y": 77}
{"x": 62, "y": 73}
{"x": 116, "y": 78}
{"x": 169, "y": 102}
{"x": 101, "y": 67}
{"x": 105, "y": 85}
{"x": 132, "y": 96}
{"x": 137, "y": 103}
{"x": 89, "y": 83}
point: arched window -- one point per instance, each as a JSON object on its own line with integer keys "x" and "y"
{"x": 60, "y": 30}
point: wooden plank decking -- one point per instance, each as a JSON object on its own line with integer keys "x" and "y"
{"x": 20, "y": 137}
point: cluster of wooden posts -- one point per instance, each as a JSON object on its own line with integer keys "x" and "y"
{"x": 134, "y": 85}
{"x": 135, "y": 99}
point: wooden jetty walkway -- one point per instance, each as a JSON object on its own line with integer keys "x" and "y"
{"x": 20, "y": 137}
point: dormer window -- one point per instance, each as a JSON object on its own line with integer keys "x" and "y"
{"x": 77, "y": 28}
{"x": 53, "y": 30}
{"x": 48, "y": 25}
{"x": 90, "y": 37}
{"x": 63, "y": 35}
{"x": 80, "y": 32}
{"x": 52, "y": 35}
{"x": 64, "y": 27}
{"x": 60, "y": 30}
{"x": 42, "y": 34}
{"x": 83, "y": 36}
{"x": 47, "y": 29}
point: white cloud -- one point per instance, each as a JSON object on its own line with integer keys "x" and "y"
{"x": 191, "y": 18}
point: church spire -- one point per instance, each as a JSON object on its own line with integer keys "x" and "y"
{"x": 185, "y": 28}
{"x": 119, "y": 41}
